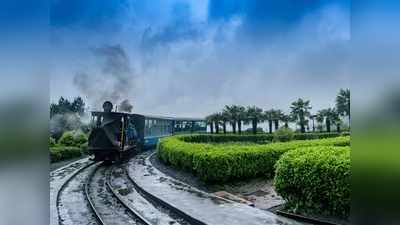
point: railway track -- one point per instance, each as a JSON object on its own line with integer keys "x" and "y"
{"x": 68, "y": 194}
{"x": 98, "y": 194}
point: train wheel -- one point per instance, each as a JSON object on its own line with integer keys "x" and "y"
{"x": 118, "y": 158}
{"x": 107, "y": 162}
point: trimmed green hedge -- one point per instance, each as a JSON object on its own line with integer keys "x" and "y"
{"x": 316, "y": 179}
{"x": 220, "y": 163}
{"x": 258, "y": 138}
{"x": 64, "y": 152}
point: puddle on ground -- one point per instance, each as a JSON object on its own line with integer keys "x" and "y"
{"x": 125, "y": 191}
{"x": 259, "y": 193}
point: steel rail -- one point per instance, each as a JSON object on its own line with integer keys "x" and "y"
{"x": 87, "y": 194}
{"x": 64, "y": 184}
{"x": 152, "y": 197}
{"x": 122, "y": 201}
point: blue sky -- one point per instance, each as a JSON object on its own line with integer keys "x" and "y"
{"x": 191, "y": 57}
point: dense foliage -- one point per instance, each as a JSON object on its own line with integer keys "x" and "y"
{"x": 219, "y": 163}
{"x": 73, "y": 139}
{"x": 63, "y": 152}
{"x": 300, "y": 113}
{"x": 284, "y": 134}
{"x": 52, "y": 142}
{"x": 64, "y": 106}
{"x": 71, "y": 144}
{"x": 315, "y": 178}
{"x": 66, "y": 115}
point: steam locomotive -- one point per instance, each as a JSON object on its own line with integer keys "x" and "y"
{"x": 115, "y": 136}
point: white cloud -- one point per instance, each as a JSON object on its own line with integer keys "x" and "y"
{"x": 205, "y": 65}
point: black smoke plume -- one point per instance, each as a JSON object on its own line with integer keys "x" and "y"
{"x": 125, "y": 106}
{"x": 114, "y": 81}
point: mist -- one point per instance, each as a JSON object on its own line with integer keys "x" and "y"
{"x": 112, "y": 82}
{"x": 187, "y": 62}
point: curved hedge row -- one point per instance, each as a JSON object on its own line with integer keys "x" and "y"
{"x": 263, "y": 138}
{"x": 219, "y": 163}
{"x": 316, "y": 178}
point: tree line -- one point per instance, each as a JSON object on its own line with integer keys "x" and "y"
{"x": 66, "y": 115}
{"x": 236, "y": 116}
{"x": 64, "y": 106}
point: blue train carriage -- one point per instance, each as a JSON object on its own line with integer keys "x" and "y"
{"x": 156, "y": 127}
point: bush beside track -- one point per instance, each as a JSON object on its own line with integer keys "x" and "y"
{"x": 64, "y": 152}
{"x": 72, "y": 144}
{"x": 316, "y": 179}
{"x": 220, "y": 163}
{"x": 259, "y": 138}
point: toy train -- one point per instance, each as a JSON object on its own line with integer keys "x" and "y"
{"x": 115, "y": 136}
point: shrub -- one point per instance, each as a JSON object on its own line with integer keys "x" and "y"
{"x": 258, "y": 138}
{"x": 52, "y": 142}
{"x": 84, "y": 148}
{"x": 283, "y": 135}
{"x": 72, "y": 138}
{"x": 219, "y": 163}
{"x": 63, "y": 152}
{"x": 316, "y": 178}
{"x": 223, "y": 138}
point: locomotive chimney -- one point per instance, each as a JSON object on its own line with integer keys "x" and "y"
{"x": 107, "y": 106}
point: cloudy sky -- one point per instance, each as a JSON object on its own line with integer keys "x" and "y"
{"x": 192, "y": 57}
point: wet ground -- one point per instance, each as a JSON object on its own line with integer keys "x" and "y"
{"x": 109, "y": 208}
{"x": 73, "y": 206}
{"x": 57, "y": 179}
{"x": 259, "y": 191}
{"x": 57, "y": 165}
{"x": 152, "y": 212}
{"x": 205, "y": 207}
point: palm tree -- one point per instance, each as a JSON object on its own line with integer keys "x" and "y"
{"x": 330, "y": 115}
{"x": 300, "y": 112}
{"x": 269, "y": 116}
{"x": 336, "y": 120}
{"x": 343, "y": 103}
{"x": 241, "y": 117}
{"x": 277, "y": 117}
{"x": 224, "y": 119}
{"x": 217, "y": 121}
{"x": 210, "y": 121}
{"x": 285, "y": 118}
{"x": 254, "y": 115}
{"x": 319, "y": 117}
{"x": 233, "y": 114}
{"x": 313, "y": 117}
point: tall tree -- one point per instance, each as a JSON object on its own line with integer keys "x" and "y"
{"x": 336, "y": 120}
{"x": 241, "y": 117}
{"x": 78, "y": 106}
{"x": 64, "y": 106}
{"x": 278, "y": 114}
{"x": 224, "y": 119}
{"x": 210, "y": 122}
{"x": 217, "y": 119}
{"x": 300, "y": 111}
{"x": 330, "y": 115}
{"x": 319, "y": 117}
{"x": 285, "y": 119}
{"x": 313, "y": 117}
{"x": 254, "y": 116}
{"x": 269, "y": 116}
{"x": 343, "y": 103}
{"x": 233, "y": 114}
